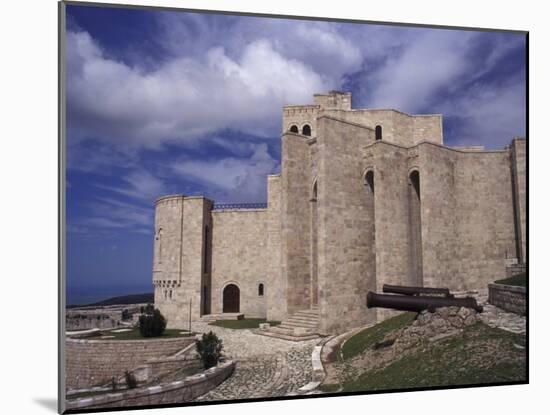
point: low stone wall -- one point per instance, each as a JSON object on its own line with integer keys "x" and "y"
{"x": 157, "y": 367}
{"x": 94, "y": 362}
{"x": 176, "y": 392}
{"x": 508, "y": 298}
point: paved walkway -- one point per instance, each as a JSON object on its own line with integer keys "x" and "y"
{"x": 265, "y": 367}
{"x": 497, "y": 317}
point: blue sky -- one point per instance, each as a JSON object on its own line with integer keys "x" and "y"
{"x": 162, "y": 102}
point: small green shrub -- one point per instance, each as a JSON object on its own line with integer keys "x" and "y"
{"x": 126, "y": 315}
{"x": 209, "y": 349}
{"x": 131, "y": 380}
{"x": 152, "y": 325}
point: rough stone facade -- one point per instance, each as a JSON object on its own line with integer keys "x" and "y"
{"x": 364, "y": 197}
{"x": 94, "y": 362}
{"x": 184, "y": 390}
{"x": 509, "y": 298}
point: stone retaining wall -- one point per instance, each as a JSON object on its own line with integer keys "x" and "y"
{"x": 157, "y": 367}
{"x": 508, "y": 298}
{"x": 94, "y": 362}
{"x": 176, "y": 392}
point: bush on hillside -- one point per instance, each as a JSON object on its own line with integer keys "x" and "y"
{"x": 152, "y": 324}
{"x": 209, "y": 348}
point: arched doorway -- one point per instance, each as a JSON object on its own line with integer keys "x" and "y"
{"x": 231, "y": 299}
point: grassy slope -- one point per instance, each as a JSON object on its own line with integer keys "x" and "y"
{"x": 245, "y": 323}
{"x": 367, "y": 338}
{"x": 518, "y": 280}
{"x": 479, "y": 355}
{"x": 136, "y": 335}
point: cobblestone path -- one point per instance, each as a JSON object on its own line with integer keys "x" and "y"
{"x": 265, "y": 367}
{"x": 496, "y": 317}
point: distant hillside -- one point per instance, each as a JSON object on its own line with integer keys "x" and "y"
{"x": 124, "y": 299}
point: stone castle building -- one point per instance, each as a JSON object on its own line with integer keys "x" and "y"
{"x": 364, "y": 197}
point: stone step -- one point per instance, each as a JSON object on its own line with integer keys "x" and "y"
{"x": 286, "y": 336}
{"x": 294, "y": 323}
{"x": 222, "y": 316}
{"x": 306, "y": 314}
{"x": 312, "y": 329}
{"x": 305, "y": 320}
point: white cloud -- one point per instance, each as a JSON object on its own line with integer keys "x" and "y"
{"x": 232, "y": 179}
{"x": 185, "y": 97}
{"x": 491, "y": 116}
{"x": 107, "y": 215}
{"x": 139, "y": 184}
{"x": 409, "y": 80}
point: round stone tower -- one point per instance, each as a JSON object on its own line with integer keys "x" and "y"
{"x": 180, "y": 261}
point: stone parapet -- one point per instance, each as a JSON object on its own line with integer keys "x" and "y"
{"x": 180, "y": 391}
{"x": 94, "y": 362}
{"x": 508, "y": 297}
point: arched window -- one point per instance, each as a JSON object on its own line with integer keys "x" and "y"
{"x": 378, "y": 132}
{"x": 415, "y": 233}
{"x": 306, "y": 130}
{"x": 414, "y": 177}
{"x": 170, "y": 294}
{"x": 369, "y": 180}
{"x": 314, "y": 192}
{"x": 294, "y": 129}
{"x": 261, "y": 290}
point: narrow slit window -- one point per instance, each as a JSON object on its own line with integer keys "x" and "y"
{"x": 378, "y": 132}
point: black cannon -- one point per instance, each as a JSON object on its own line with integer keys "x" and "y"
{"x": 418, "y": 303}
{"x": 400, "y": 289}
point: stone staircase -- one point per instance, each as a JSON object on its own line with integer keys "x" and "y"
{"x": 208, "y": 318}
{"x": 302, "y": 325}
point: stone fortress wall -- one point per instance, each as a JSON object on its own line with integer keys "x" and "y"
{"x": 239, "y": 238}
{"x": 94, "y": 362}
{"x": 180, "y": 271}
{"x": 354, "y": 207}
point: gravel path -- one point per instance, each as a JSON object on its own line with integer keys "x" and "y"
{"x": 265, "y": 367}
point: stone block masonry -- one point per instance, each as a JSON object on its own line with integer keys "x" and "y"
{"x": 180, "y": 391}
{"x": 508, "y": 298}
{"x": 364, "y": 197}
{"x": 95, "y": 362}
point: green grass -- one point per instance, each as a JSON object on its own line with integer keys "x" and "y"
{"x": 245, "y": 323}
{"x": 136, "y": 335}
{"x": 480, "y": 355}
{"x": 330, "y": 387}
{"x": 367, "y": 338}
{"x": 518, "y": 280}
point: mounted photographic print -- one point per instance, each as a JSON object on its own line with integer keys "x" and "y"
{"x": 258, "y": 207}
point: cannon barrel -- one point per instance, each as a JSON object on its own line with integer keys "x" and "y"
{"x": 401, "y": 289}
{"x": 418, "y": 303}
